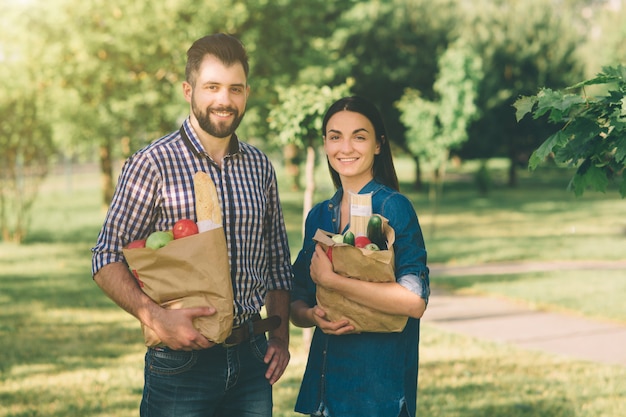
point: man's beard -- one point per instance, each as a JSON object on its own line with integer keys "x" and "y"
{"x": 218, "y": 130}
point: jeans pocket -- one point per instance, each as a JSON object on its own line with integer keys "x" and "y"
{"x": 170, "y": 362}
{"x": 258, "y": 345}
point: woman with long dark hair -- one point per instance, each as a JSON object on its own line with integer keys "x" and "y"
{"x": 348, "y": 373}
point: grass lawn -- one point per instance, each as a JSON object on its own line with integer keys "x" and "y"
{"x": 69, "y": 351}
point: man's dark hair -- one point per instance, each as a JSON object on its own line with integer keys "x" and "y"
{"x": 224, "y": 47}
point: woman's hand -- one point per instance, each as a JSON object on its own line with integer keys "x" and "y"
{"x": 330, "y": 327}
{"x": 321, "y": 268}
{"x": 304, "y": 316}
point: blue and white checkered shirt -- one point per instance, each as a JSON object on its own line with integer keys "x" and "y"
{"x": 155, "y": 189}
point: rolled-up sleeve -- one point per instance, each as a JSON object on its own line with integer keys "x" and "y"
{"x": 279, "y": 254}
{"x": 419, "y": 285}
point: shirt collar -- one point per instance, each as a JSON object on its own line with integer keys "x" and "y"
{"x": 188, "y": 134}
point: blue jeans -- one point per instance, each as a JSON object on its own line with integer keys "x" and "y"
{"x": 216, "y": 382}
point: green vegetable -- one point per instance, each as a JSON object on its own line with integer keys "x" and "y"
{"x": 337, "y": 238}
{"x": 372, "y": 246}
{"x": 348, "y": 238}
{"x": 375, "y": 231}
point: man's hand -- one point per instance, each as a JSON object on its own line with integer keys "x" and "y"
{"x": 176, "y": 331}
{"x": 277, "y": 358}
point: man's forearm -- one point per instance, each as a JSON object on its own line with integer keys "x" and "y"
{"x": 119, "y": 285}
{"x": 277, "y": 304}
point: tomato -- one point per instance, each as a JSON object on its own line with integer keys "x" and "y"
{"x": 361, "y": 241}
{"x": 184, "y": 228}
{"x": 141, "y": 243}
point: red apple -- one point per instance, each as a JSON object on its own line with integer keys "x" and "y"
{"x": 184, "y": 228}
{"x": 141, "y": 243}
{"x": 361, "y": 241}
{"x": 136, "y": 275}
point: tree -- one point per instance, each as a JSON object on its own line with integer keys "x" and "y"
{"x": 126, "y": 79}
{"x": 524, "y": 44}
{"x": 593, "y": 133}
{"x": 606, "y": 27}
{"x": 127, "y": 65}
{"x": 390, "y": 45}
{"x": 437, "y": 127}
{"x": 297, "y": 119}
{"x": 26, "y": 130}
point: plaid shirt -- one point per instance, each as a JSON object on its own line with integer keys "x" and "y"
{"x": 155, "y": 189}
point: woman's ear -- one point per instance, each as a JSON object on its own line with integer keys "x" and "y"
{"x": 379, "y": 144}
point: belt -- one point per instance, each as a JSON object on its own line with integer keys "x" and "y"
{"x": 251, "y": 328}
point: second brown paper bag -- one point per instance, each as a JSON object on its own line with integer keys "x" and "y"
{"x": 364, "y": 265}
{"x": 189, "y": 272}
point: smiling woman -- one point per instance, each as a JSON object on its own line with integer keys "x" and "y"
{"x": 350, "y": 144}
{"x": 360, "y": 162}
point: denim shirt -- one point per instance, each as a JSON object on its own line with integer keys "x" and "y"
{"x": 362, "y": 374}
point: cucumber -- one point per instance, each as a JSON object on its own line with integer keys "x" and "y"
{"x": 375, "y": 231}
{"x": 348, "y": 238}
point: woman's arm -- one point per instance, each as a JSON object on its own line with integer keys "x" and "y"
{"x": 388, "y": 297}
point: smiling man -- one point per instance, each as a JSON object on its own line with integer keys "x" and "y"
{"x": 190, "y": 375}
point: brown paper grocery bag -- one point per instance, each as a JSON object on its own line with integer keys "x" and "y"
{"x": 188, "y": 272}
{"x": 364, "y": 265}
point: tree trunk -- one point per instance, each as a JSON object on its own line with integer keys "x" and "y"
{"x": 291, "y": 155}
{"x": 418, "y": 184}
{"x": 512, "y": 172}
{"x": 309, "y": 188}
{"x": 309, "y": 191}
{"x": 106, "y": 172}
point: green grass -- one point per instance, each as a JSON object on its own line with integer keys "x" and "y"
{"x": 597, "y": 294}
{"x": 461, "y": 376}
{"x": 69, "y": 351}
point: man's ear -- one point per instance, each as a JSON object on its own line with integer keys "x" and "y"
{"x": 187, "y": 91}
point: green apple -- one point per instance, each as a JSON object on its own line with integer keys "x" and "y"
{"x": 159, "y": 239}
{"x": 337, "y": 238}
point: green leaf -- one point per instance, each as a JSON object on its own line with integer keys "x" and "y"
{"x": 577, "y": 185}
{"x": 523, "y": 106}
{"x": 592, "y": 177}
{"x": 558, "y": 139}
{"x": 557, "y": 104}
{"x": 596, "y": 178}
{"x": 620, "y": 153}
{"x": 583, "y": 135}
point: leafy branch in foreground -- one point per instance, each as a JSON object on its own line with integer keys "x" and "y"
{"x": 593, "y": 133}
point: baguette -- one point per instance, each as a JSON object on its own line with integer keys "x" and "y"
{"x": 207, "y": 202}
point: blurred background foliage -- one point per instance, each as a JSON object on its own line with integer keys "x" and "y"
{"x": 94, "y": 81}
